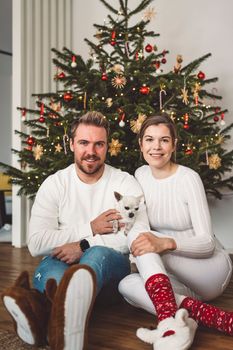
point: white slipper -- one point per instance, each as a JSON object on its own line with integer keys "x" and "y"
{"x": 29, "y": 310}
{"x": 23, "y": 327}
{"x": 176, "y": 333}
{"x": 71, "y": 309}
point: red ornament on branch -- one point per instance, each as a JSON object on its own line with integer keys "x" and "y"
{"x": 113, "y": 38}
{"x": 222, "y": 122}
{"x": 68, "y": 96}
{"x": 144, "y": 90}
{"x": 186, "y": 121}
{"x": 30, "y": 141}
{"x": 23, "y": 117}
{"x": 61, "y": 75}
{"x": 121, "y": 117}
{"x": 188, "y": 151}
{"x": 104, "y": 76}
{"x": 42, "y": 118}
{"x": 163, "y": 60}
{"x": 149, "y": 48}
{"x": 73, "y": 63}
{"x": 201, "y": 75}
{"x": 157, "y": 64}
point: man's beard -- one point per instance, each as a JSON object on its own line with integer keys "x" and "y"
{"x": 89, "y": 170}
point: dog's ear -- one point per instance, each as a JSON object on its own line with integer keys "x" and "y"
{"x": 118, "y": 196}
{"x": 140, "y": 198}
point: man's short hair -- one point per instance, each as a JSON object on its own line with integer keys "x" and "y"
{"x": 90, "y": 118}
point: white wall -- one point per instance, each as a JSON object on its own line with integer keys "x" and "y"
{"x": 191, "y": 29}
{"x": 5, "y": 80}
{"x": 5, "y": 107}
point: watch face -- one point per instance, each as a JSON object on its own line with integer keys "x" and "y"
{"x": 84, "y": 245}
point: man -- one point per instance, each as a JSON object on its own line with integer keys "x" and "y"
{"x": 72, "y": 223}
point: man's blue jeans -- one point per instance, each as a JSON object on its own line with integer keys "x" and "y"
{"x": 108, "y": 265}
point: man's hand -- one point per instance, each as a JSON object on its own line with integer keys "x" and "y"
{"x": 147, "y": 242}
{"x": 104, "y": 222}
{"x": 69, "y": 252}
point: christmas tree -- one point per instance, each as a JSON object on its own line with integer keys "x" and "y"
{"x": 125, "y": 79}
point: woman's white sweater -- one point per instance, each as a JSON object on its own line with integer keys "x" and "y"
{"x": 177, "y": 207}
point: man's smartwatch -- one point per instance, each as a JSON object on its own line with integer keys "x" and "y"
{"x": 84, "y": 245}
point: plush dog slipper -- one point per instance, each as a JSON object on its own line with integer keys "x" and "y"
{"x": 172, "y": 333}
{"x": 29, "y": 309}
{"x": 72, "y": 304}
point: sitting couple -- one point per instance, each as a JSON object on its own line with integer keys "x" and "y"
{"x": 180, "y": 263}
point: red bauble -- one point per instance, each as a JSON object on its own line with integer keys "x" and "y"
{"x": 104, "y": 77}
{"x": 186, "y": 126}
{"x": 163, "y": 60}
{"x": 157, "y": 64}
{"x": 68, "y": 96}
{"x": 189, "y": 151}
{"x": 61, "y": 75}
{"x": 216, "y": 118}
{"x": 148, "y": 48}
{"x": 42, "y": 119}
{"x": 144, "y": 90}
{"x": 201, "y": 75}
{"x": 113, "y": 42}
{"x": 30, "y": 141}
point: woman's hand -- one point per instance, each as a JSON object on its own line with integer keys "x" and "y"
{"x": 147, "y": 242}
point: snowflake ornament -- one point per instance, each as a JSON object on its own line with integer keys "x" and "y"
{"x": 149, "y": 14}
{"x": 119, "y": 82}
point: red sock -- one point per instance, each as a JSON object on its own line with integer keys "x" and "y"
{"x": 161, "y": 294}
{"x": 208, "y": 315}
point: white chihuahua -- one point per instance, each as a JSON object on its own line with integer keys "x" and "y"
{"x": 128, "y": 207}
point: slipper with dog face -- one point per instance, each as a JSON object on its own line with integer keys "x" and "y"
{"x": 172, "y": 333}
{"x": 29, "y": 310}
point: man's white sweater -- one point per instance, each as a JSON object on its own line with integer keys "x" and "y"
{"x": 64, "y": 207}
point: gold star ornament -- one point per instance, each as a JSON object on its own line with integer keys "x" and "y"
{"x": 214, "y": 161}
{"x": 38, "y": 152}
{"x": 58, "y": 148}
{"x": 114, "y": 147}
{"x": 136, "y": 124}
{"x": 184, "y": 95}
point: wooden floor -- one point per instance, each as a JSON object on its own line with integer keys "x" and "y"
{"x": 112, "y": 327}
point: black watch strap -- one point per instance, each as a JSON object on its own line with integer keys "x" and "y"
{"x": 84, "y": 245}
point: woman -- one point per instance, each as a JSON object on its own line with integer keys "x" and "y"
{"x": 180, "y": 262}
